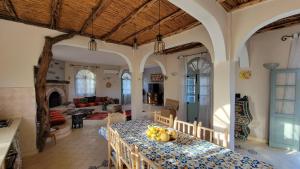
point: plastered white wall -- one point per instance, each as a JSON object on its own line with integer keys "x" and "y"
{"x": 20, "y": 47}
{"x": 101, "y": 79}
{"x": 263, "y": 48}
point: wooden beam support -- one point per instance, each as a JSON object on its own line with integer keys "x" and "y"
{"x": 131, "y": 16}
{"x": 96, "y": 11}
{"x": 187, "y": 27}
{"x": 10, "y": 8}
{"x": 247, "y": 4}
{"x": 181, "y": 48}
{"x": 10, "y": 18}
{"x": 279, "y": 26}
{"x": 163, "y": 20}
{"x": 55, "y": 13}
{"x": 43, "y": 127}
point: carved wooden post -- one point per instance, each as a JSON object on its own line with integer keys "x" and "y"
{"x": 43, "y": 125}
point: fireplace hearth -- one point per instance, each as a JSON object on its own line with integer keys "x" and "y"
{"x": 56, "y": 93}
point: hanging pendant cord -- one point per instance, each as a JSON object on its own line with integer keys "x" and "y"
{"x": 159, "y": 17}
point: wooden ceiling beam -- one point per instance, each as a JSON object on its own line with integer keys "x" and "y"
{"x": 55, "y": 13}
{"x": 96, "y": 11}
{"x": 150, "y": 27}
{"x": 187, "y": 27}
{"x": 10, "y": 18}
{"x": 130, "y": 17}
{"x": 279, "y": 26}
{"x": 247, "y": 4}
{"x": 181, "y": 48}
{"x": 10, "y": 8}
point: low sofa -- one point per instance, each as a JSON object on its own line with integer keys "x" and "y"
{"x": 94, "y": 101}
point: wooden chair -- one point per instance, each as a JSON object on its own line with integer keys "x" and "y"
{"x": 158, "y": 118}
{"x": 115, "y": 118}
{"x": 147, "y": 164}
{"x": 113, "y": 146}
{"x": 128, "y": 156}
{"x": 185, "y": 127}
{"x": 218, "y": 137}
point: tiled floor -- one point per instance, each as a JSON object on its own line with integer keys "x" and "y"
{"x": 279, "y": 158}
{"x": 80, "y": 150}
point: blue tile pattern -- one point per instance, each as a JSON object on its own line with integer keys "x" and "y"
{"x": 185, "y": 152}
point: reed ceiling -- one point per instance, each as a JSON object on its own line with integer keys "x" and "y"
{"x": 116, "y": 21}
{"x": 231, "y": 5}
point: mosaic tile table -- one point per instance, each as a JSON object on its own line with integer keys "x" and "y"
{"x": 185, "y": 152}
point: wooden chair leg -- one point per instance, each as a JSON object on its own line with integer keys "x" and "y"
{"x": 109, "y": 157}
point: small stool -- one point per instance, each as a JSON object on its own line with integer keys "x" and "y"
{"x": 52, "y": 136}
{"x": 77, "y": 121}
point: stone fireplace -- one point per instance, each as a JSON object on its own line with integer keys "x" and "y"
{"x": 56, "y": 93}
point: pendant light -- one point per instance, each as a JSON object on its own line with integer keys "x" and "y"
{"x": 159, "y": 45}
{"x": 92, "y": 42}
{"x": 135, "y": 42}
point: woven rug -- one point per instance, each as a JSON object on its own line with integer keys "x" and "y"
{"x": 97, "y": 116}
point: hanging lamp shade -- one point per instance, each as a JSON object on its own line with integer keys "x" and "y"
{"x": 92, "y": 44}
{"x": 159, "y": 45}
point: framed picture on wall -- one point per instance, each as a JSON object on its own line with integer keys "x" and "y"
{"x": 157, "y": 77}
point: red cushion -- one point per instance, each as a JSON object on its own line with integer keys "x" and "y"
{"x": 92, "y": 104}
{"x": 82, "y": 105}
{"x": 56, "y": 118}
{"x": 76, "y": 100}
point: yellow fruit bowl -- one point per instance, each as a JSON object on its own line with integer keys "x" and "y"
{"x": 161, "y": 134}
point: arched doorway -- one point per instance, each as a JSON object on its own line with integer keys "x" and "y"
{"x": 199, "y": 85}
{"x": 126, "y": 88}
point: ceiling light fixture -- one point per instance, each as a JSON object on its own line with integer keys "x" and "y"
{"x": 159, "y": 45}
{"x": 92, "y": 42}
{"x": 135, "y": 41}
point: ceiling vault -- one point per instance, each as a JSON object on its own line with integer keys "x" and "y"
{"x": 98, "y": 9}
{"x": 10, "y": 8}
{"x": 55, "y": 13}
{"x": 130, "y": 17}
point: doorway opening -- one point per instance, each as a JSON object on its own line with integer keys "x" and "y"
{"x": 199, "y": 89}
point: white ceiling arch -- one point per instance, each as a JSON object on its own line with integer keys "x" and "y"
{"x": 82, "y": 55}
{"x": 214, "y": 18}
{"x": 246, "y": 22}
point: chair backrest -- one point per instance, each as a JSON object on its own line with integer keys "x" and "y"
{"x": 158, "y": 118}
{"x": 185, "y": 127}
{"x": 128, "y": 155}
{"x": 218, "y": 137}
{"x": 170, "y": 103}
{"x": 147, "y": 164}
{"x": 115, "y": 118}
{"x": 113, "y": 138}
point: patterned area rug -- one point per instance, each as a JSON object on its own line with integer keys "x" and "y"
{"x": 97, "y": 116}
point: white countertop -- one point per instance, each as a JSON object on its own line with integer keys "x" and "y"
{"x": 6, "y": 137}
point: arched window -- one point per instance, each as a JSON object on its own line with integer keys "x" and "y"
{"x": 85, "y": 83}
{"x": 126, "y": 88}
{"x": 199, "y": 90}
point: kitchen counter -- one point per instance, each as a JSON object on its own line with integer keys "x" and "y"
{"x": 7, "y": 135}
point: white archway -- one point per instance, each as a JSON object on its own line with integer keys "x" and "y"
{"x": 198, "y": 34}
{"x": 214, "y": 19}
{"x": 245, "y": 24}
{"x": 124, "y": 51}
